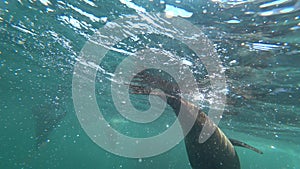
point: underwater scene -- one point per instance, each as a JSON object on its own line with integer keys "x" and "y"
{"x": 153, "y": 84}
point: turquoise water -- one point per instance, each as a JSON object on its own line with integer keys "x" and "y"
{"x": 257, "y": 42}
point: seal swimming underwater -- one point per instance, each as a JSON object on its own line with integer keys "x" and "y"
{"x": 215, "y": 153}
{"x": 47, "y": 117}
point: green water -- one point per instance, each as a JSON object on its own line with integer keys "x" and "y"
{"x": 40, "y": 42}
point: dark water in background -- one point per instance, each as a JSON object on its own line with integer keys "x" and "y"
{"x": 259, "y": 44}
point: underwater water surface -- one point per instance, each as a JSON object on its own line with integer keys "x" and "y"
{"x": 258, "y": 46}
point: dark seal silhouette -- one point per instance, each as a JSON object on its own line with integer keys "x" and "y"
{"x": 215, "y": 153}
{"x": 47, "y": 117}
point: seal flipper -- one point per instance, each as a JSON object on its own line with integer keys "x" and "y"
{"x": 242, "y": 144}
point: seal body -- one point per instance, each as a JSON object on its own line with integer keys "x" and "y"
{"x": 215, "y": 153}
{"x": 218, "y": 151}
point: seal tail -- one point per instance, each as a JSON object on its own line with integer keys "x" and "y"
{"x": 242, "y": 144}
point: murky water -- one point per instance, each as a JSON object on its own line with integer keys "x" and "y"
{"x": 257, "y": 42}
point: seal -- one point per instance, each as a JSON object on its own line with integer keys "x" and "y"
{"x": 218, "y": 151}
